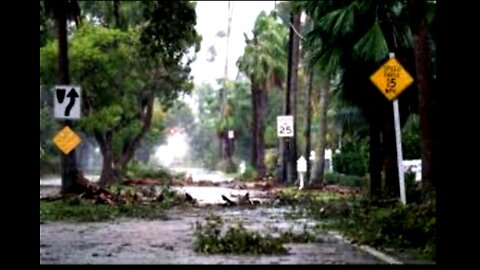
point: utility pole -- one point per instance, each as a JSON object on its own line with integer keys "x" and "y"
{"x": 290, "y": 149}
{"x": 225, "y": 152}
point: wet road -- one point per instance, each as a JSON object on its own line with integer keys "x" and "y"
{"x": 130, "y": 241}
{"x": 133, "y": 241}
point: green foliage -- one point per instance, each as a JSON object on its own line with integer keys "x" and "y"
{"x": 410, "y": 228}
{"x": 344, "y": 180}
{"x": 136, "y": 169}
{"x": 316, "y": 199}
{"x": 79, "y": 210}
{"x": 240, "y": 96}
{"x": 401, "y": 227}
{"x": 353, "y": 158}
{"x": 411, "y": 138}
{"x": 236, "y": 240}
{"x": 121, "y": 70}
{"x": 412, "y": 188}
{"x": 50, "y": 160}
{"x": 306, "y": 236}
{"x": 265, "y": 54}
{"x": 274, "y": 109}
{"x": 204, "y": 149}
{"x": 271, "y": 156}
{"x": 103, "y": 61}
{"x": 249, "y": 174}
{"x": 46, "y": 26}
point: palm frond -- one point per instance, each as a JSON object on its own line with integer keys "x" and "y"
{"x": 372, "y": 46}
{"x": 339, "y": 22}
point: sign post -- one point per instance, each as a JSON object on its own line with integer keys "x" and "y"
{"x": 391, "y": 79}
{"x": 301, "y": 169}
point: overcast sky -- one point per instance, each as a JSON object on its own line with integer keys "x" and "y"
{"x": 212, "y": 17}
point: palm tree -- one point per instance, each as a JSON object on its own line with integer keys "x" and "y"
{"x": 353, "y": 51}
{"x": 319, "y": 164}
{"x": 264, "y": 62}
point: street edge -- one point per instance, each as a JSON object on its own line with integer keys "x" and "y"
{"x": 377, "y": 254}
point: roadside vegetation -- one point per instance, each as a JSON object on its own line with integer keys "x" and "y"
{"x": 215, "y": 236}
{"x": 129, "y": 202}
{"x": 386, "y": 225}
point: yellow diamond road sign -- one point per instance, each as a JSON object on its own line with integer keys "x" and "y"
{"x": 391, "y": 79}
{"x": 66, "y": 140}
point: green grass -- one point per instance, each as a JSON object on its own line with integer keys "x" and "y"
{"x": 79, "y": 210}
{"x": 86, "y": 211}
{"x": 409, "y": 229}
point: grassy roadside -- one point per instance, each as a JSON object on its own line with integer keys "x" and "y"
{"x": 81, "y": 210}
{"x": 408, "y": 230}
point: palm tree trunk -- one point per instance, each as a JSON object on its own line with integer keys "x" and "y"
{"x": 375, "y": 159}
{"x": 422, "y": 62}
{"x": 254, "y": 96}
{"x": 308, "y": 124}
{"x": 260, "y": 136}
{"x": 319, "y": 165}
{"x": 259, "y": 114}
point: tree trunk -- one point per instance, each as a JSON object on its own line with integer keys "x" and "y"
{"x": 128, "y": 151}
{"x": 390, "y": 155}
{"x": 259, "y": 105}
{"x": 319, "y": 165}
{"x": 375, "y": 159}
{"x": 112, "y": 167}
{"x": 262, "y": 114}
{"x": 116, "y": 13}
{"x": 108, "y": 175}
{"x": 308, "y": 124}
{"x": 422, "y": 62}
{"x": 70, "y": 174}
{"x": 254, "y": 96}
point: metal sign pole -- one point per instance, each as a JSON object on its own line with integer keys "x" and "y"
{"x": 398, "y": 140}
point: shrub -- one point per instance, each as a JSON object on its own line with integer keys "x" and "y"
{"x": 249, "y": 174}
{"x": 410, "y": 227}
{"x": 353, "y": 159}
{"x": 136, "y": 169}
{"x": 344, "y": 180}
{"x": 271, "y": 156}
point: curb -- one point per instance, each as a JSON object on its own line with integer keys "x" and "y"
{"x": 378, "y": 254}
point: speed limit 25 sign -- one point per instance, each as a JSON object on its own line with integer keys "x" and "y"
{"x": 285, "y": 126}
{"x": 391, "y": 79}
